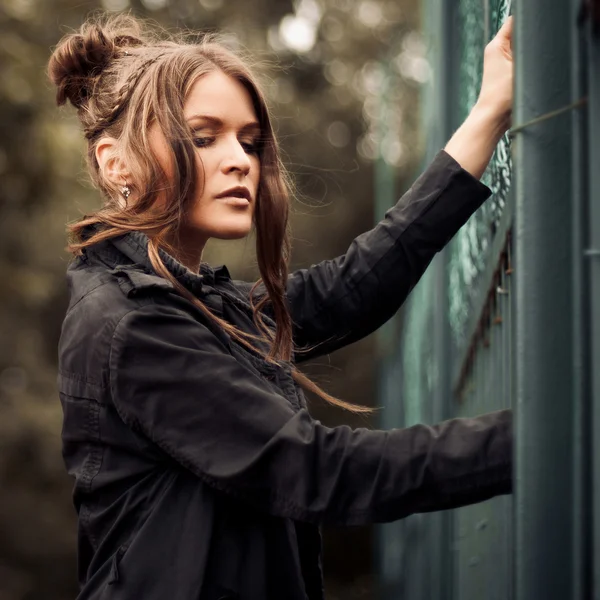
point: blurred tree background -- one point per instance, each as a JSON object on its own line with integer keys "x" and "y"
{"x": 323, "y": 64}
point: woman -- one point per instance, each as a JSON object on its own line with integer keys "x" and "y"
{"x": 199, "y": 472}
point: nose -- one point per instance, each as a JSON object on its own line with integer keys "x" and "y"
{"x": 235, "y": 158}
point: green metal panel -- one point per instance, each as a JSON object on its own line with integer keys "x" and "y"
{"x": 449, "y": 339}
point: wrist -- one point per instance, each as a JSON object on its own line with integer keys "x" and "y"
{"x": 474, "y": 142}
{"x": 491, "y": 117}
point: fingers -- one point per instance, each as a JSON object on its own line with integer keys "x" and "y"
{"x": 505, "y": 32}
{"x": 504, "y": 37}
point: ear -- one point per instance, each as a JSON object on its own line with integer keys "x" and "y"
{"x": 111, "y": 165}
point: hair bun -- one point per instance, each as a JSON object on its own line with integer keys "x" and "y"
{"x": 81, "y": 57}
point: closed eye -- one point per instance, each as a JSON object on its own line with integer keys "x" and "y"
{"x": 206, "y": 141}
{"x": 203, "y": 142}
{"x": 250, "y": 147}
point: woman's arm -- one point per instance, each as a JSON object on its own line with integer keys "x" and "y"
{"x": 172, "y": 380}
{"x": 340, "y": 301}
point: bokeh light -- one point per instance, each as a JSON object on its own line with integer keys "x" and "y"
{"x": 211, "y": 4}
{"x": 370, "y": 13}
{"x": 115, "y": 5}
{"x": 338, "y": 134}
{"x": 297, "y": 33}
{"x": 155, "y": 4}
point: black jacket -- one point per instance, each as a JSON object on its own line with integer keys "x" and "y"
{"x": 199, "y": 473}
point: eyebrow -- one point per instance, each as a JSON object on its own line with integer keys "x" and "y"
{"x": 248, "y": 127}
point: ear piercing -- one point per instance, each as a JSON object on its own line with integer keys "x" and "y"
{"x": 126, "y": 190}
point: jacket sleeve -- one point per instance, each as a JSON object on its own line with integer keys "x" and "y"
{"x": 339, "y": 301}
{"x": 172, "y": 380}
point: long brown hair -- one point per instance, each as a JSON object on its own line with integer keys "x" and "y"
{"x": 122, "y": 76}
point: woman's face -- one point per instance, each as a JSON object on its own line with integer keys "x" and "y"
{"x": 219, "y": 111}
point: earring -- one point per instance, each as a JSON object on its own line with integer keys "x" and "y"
{"x": 126, "y": 190}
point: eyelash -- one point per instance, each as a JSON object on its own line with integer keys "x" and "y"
{"x": 204, "y": 142}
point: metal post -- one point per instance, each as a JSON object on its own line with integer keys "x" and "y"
{"x": 582, "y": 446}
{"x": 593, "y": 258}
{"x": 544, "y": 347}
{"x": 445, "y": 16}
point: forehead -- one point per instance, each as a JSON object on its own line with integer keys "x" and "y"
{"x": 218, "y": 95}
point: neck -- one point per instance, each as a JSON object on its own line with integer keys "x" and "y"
{"x": 188, "y": 250}
{"x": 189, "y": 259}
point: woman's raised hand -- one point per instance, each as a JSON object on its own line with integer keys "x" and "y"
{"x": 497, "y": 84}
{"x": 473, "y": 144}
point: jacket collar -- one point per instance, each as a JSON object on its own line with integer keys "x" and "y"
{"x": 129, "y": 253}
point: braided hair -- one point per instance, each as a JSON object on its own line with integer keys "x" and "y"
{"x": 122, "y": 96}
{"x": 92, "y": 60}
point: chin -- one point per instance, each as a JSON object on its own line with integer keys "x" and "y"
{"x": 222, "y": 225}
{"x": 232, "y": 230}
{"x": 234, "y": 234}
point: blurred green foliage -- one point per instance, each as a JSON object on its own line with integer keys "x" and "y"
{"x": 322, "y": 63}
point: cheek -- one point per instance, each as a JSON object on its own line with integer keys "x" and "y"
{"x": 255, "y": 174}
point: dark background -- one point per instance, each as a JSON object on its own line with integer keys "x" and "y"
{"x": 322, "y": 64}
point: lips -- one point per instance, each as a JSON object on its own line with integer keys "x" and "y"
{"x": 236, "y": 192}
